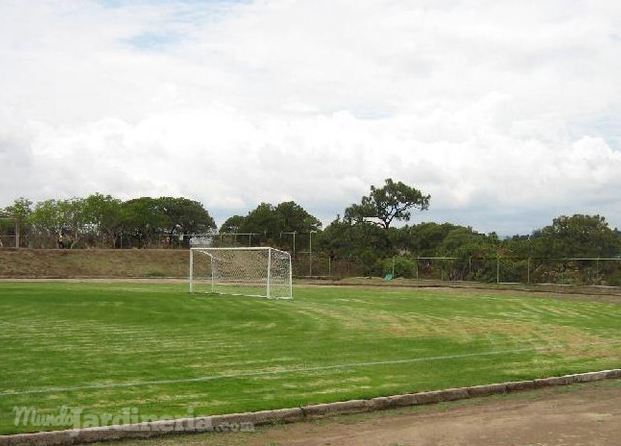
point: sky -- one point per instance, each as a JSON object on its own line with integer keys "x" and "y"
{"x": 508, "y": 113}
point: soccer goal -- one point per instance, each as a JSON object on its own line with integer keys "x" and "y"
{"x": 262, "y": 272}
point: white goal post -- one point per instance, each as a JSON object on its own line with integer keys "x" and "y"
{"x": 261, "y": 272}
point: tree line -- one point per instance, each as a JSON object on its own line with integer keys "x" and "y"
{"x": 104, "y": 221}
{"x": 365, "y": 234}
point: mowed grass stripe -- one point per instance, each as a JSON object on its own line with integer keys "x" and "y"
{"x": 270, "y": 372}
{"x": 558, "y": 349}
{"x": 104, "y": 347}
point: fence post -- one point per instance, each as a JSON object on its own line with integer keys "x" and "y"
{"x": 597, "y": 268}
{"x": 310, "y": 253}
{"x": 497, "y": 268}
{"x": 528, "y": 271}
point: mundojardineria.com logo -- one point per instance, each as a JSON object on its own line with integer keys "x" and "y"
{"x": 127, "y": 418}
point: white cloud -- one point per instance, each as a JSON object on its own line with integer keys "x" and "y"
{"x": 489, "y": 106}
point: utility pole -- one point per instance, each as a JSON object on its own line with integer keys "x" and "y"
{"x": 530, "y": 254}
{"x": 310, "y": 252}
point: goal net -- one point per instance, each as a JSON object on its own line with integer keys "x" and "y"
{"x": 263, "y": 272}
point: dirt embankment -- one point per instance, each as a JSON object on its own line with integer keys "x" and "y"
{"x": 93, "y": 263}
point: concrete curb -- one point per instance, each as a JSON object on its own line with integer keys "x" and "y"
{"x": 235, "y": 421}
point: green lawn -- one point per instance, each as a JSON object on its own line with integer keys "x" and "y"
{"x": 105, "y": 348}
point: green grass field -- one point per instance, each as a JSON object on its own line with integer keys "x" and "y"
{"x": 107, "y": 347}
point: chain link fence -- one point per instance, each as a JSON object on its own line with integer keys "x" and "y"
{"x": 500, "y": 269}
{"x": 307, "y": 262}
{"x": 321, "y": 266}
{"x": 94, "y": 241}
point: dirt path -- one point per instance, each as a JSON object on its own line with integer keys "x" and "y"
{"x": 584, "y": 414}
{"x": 585, "y": 417}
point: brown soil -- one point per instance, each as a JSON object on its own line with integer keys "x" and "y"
{"x": 584, "y": 414}
{"x": 93, "y": 263}
{"x": 585, "y": 417}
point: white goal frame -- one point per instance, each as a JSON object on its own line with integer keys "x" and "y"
{"x": 221, "y": 280}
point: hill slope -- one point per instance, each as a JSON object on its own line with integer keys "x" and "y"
{"x": 109, "y": 263}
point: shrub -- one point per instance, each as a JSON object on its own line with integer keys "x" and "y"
{"x": 404, "y": 266}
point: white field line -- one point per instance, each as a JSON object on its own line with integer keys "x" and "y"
{"x": 291, "y": 370}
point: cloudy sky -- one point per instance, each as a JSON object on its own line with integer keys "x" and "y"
{"x": 508, "y": 113}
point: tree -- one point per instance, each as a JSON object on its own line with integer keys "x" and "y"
{"x": 232, "y": 224}
{"x": 294, "y": 217}
{"x": 363, "y": 242}
{"x": 576, "y": 236}
{"x": 19, "y": 211}
{"x": 54, "y": 218}
{"x": 262, "y": 219}
{"x": 102, "y": 216}
{"x": 71, "y": 212}
{"x": 271, "y": 221}
{"x": 393, "y": 201}
{"x": 184, "y": 216}
{"x": 145, "y": 219}
{"x": 424, "y": 239}
{"x": 463, "y": 239}
{"x": 46, "y": 218}
{"x": 142, "y": 220}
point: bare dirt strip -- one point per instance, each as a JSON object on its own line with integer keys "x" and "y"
{"x": 582, "y": 414}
